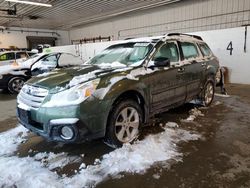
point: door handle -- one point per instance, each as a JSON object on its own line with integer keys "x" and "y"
{"x": 181, "y": 69}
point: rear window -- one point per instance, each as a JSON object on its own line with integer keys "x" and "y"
{"x": 205, "y": 50}
{"x": 189, "y": 50}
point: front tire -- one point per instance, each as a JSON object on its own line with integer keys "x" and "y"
{"x": 15, "y": 85}
{"x": 208, "y": 93}
{"x": 123, "y": 124}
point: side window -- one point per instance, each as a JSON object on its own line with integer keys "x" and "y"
{"x": 189, "y": 50}
{"x": 7, "y": 56}
{"x": 168, "y": 50}
{"x": 205, "y": 50}
{"x": 50, "y": 61}
{"x": 20, "y": 55}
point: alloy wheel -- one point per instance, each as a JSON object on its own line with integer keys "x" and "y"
{"x": 127, "y": 125}
{"x": 17, "y": 85}
{"x": 209, "y": 93}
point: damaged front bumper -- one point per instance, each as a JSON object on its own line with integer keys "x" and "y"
{"x": 60, "y": 125}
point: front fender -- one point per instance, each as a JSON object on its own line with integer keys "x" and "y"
{"x": 118, "y": 85}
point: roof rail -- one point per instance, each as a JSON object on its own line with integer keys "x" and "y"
{"x": 129, "y": 38}
{"x": 179, "y": 34}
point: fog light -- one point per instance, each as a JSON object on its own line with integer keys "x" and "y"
{"x": 67, "y": 133}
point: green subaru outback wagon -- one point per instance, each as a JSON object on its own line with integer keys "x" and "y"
{"x": 119, "y": 90}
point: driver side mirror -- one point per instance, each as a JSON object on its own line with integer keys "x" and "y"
{"x": 162, "y": 62}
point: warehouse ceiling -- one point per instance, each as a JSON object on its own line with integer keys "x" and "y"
{"x": 67, "y": 14}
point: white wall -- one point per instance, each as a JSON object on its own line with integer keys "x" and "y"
{"x": 184, "y": 16}
{"x": 86, "y": 51}
{"x": 17, "y": 38}
{"x": 238, "y": 63}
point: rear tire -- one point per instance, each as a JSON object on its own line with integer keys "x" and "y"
{"x": 207, "y": 94}
{"x": 123, "y": 124}
{"x": 15, "y": 84}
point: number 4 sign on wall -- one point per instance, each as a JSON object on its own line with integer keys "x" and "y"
{"x": 230, "y": 47}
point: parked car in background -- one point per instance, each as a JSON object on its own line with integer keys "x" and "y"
{"x": 119, "y": 90}
{"x": 13, "y": 77}
{"x": 10, "y": 57}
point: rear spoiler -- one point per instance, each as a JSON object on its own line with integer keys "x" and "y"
{"x": 182, "y": 34}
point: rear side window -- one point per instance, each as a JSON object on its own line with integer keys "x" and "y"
{"x": 189, "y": 50}
{"x": 7, "y": 56}
{"x": 168, "y": 50}
{"x": 205, "y": 49}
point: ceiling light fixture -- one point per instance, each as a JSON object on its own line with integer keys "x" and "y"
{"x": 30, "y": 3}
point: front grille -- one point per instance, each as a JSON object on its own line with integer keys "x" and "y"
{"x": 32, "y": 96}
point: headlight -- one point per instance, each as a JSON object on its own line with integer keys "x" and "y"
{"x": 74, "y": 95}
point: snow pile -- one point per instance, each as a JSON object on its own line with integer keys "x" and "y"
{"x": 10, "y": 140}
{"x": 156, "y": 176}
{"x": 25, "y": 172}
{"x": 221, "y": 95}
{"x": 172, "y": 125}
{"x": 136, "y": 158}
{"x": 194, "y": 113}
{"x": 217, "y": 103}
{"x": 52, "y": 160}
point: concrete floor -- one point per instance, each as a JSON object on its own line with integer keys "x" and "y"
{"x": 220, "y": 159}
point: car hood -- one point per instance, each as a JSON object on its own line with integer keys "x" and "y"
{"x": 68, "y": 77}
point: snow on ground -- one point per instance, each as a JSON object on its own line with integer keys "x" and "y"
{"x": 10, "y": 140}
{"x": 194, "y": 113}
{"x": 221, "y": 95}
{"x": 172, "y": 125}
{"x": 25, "y": 172}
{"x": 52, "y": 160}
{"x": 136, "y": 158}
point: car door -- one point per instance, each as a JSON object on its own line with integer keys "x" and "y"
{"x": 166, "y": 84}
{"x": 193, "y": 64}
